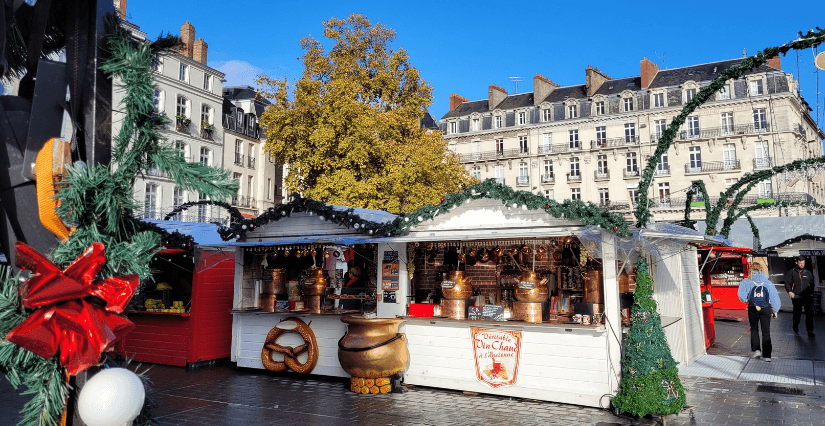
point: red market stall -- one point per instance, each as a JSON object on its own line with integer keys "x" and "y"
{"x": 722, "y": 269}
{"x": 182, "y": 316}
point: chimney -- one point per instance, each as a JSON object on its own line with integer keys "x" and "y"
{"x": 542, "y": 87}
{"x": 120, "y": 6}
{"x": 187, "y": 35}
{"x": 595, "y": 78}
{"x": 775, "y": 62}
{"x": 199, "y": 52}
{"x": 495, "y": 95}
{"x": 648, "y": 70}
{"x": 456, "y": 100}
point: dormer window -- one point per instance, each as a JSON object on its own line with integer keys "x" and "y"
{"x": 497, "y": 122}
{"x": 522, "y": 118}
{"x": 599, "y": 108}
{"x": 755, "y": 87}
{"x": 453, "y": 127}
{"x": 476, "y": 124}
{"x": 628, "y": 101}
{"x": 658, "y": 100}
{"x": 572, "y": 111}
{"x": 546, "y": 114}
{"x": 239, "y": 118}
{"x": 689, "y": 94}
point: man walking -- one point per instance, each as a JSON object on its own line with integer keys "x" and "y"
{"x": 799, "y": 284}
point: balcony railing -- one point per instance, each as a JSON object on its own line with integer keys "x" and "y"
{"x": 181, "y": 127}
{"x": 762, "y": 163}
{"x": 239, "y": 159}
{"x": 662, "y": 170}
{"x": 614, "y": 142}
{"x": 206, "y": 214}
{"x": 243, "y": 201}
{"x": 712, "y": 166}
{"x": 251, "y": 162}
{"x": 492, "y": 155}
{"x": 631, "y": 173}
{"x": 523, "y": 181}
{"x": 230, "y": 122}
{"x": 748, "y": 200}
{"x": 156, "y": 173}
{"x": 207, "y": 133}
{"x": 574, "y": 178}
{"x": 715, "y": 132}
{"x": 548, "y": 178}
{"x": 602, "y": 174}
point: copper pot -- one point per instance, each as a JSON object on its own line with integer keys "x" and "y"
{"x": 387, "y": 353}
{"x": 277, "y": 284}
{"x": 593, "y": 287}
{"x": 317, "y": 282}
{"x": 457, "y": 286}
{"x": 484, "y": 256}
{"x": 527, "y": 311}
{"x": 531, "y": 288}
{"x": 624, "y": 282}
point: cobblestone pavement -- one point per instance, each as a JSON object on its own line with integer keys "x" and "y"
{"x": 223, "y": 395}
{"x": 733, "y": 337}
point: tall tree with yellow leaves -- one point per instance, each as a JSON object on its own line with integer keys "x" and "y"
{"x": 349, "y": 130}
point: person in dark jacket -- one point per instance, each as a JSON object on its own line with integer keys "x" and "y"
{"x": 799, "y": 283}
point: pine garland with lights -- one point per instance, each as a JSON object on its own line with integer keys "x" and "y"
{"x": 650, "y": 380}
{"x": 98, "y": 202}
{"x": 234, "y": 213}
{"x": 755, "y": 231}
{"x": 642, "y": 212}
{"x": 587, "y": 213}
{"x": 798, "y": 238}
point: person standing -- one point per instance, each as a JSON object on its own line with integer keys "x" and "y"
{"x": 799, "y": 285}
{"x": 763, "y": 303}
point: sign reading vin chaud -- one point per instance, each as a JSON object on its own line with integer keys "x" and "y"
{"x": 496, "y": 355}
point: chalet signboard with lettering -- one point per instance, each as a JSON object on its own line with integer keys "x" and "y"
{"x": 496, "y": 353}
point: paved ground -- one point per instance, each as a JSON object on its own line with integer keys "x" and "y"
{"x": 733, "y": 336}
{"x": 223, "y": 395}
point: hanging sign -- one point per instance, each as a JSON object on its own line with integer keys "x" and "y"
{"x": 389, "y": 271}
{"x": 496, "y": 354}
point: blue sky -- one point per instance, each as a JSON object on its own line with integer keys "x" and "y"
{"x": 463, "y": 47}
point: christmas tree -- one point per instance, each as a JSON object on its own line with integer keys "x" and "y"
{"x": 650, "y": 380}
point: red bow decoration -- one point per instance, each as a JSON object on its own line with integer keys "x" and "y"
{"x": 69, "y": 315}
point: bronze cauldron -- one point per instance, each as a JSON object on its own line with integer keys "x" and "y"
{"x": 277, "y": 283}
{"x": 317, "y": 282}
{"x": 387, "y": 353}
{"x": 531, "y": 288}
{"x": 457, "y": 286}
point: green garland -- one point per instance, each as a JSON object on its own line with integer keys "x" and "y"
{"x": 587, "y": 213}
{"x": 650, "y": 380}
{"x": 99, "y": 202}
{"x": 642, "y": 213}
{"x": 798, "y": 238}
{"x": 755, "y": 231}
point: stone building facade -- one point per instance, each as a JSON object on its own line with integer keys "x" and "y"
{"x": 189, "y": 93}
{"x": 259, "y": 176}
{"x": 592, "y": 141}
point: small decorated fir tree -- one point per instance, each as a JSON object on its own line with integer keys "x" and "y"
{"x": 650, "y": 380}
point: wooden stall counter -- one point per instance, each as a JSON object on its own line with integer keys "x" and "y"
{"x": 250, "y": 329}
{"x": 566, "y": 363}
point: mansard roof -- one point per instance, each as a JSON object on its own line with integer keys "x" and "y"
{"x": 664, "y": 78}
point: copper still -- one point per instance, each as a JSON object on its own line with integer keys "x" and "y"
{"x": 457, "y": 286}
{"x": 373, "y": 347}
{"x": 278, "y": 283}
{"x": 593, "y": 287}
{"x": 531, "y": 288}
{"x": 268, "y": 302}
{"x": 317, "y": 282}
{"x": 624, "y": 282}
{"x": 528, "y": 311}
{"x": 454, "y": 308}
{"x": 313, "y": 303}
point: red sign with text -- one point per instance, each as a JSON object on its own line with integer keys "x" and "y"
{"x": 496, "y": 355}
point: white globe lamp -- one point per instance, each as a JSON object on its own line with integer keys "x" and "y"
{"x": 112, "y": 397}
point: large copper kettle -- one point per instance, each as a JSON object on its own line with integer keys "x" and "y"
{"x": 457, "y": 286}
{"x": 531, "y": 288}
{"x": 316, "y": 283}
{"x": 373, "y": 347}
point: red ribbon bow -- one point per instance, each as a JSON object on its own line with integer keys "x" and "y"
{"x": 67, "y": 316}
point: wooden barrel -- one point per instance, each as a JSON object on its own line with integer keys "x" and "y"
{"x": 593, "y": 292}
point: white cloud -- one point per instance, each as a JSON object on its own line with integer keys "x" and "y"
{"x": 238, "y": 73}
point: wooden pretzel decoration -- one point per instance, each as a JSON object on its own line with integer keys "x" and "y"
{"x": 291, "y": 353}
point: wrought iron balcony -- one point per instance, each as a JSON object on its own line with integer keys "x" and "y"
{"x": 614, "y": 142}
{"x": 523, "y": 181}
{"x": 715, "y": 132}
{"x": 156, "y": 173}
{"x": 574, "y": 178}
{"x": 633, "y": 173}
{"x": 712, "y": 166}
{"x": 762, "y": 163}
{"x": 548, "y": 178}
{"x": 662, "y": 170}
{"x": 251, "y": 162}
{"x": 492, "y": 155}
{"x": 239, "y": 159}
{"x": 207, "y": 133}
{"x": 601, "y": 174}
